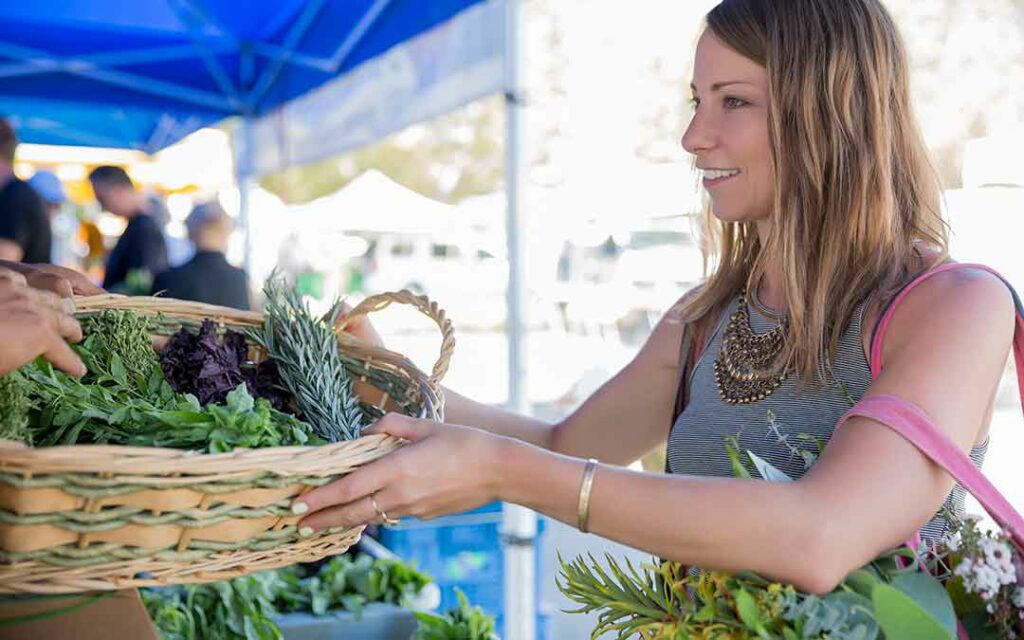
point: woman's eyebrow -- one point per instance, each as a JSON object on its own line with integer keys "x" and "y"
{"x": 720, "y": 85}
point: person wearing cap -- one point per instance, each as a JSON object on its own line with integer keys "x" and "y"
{"x": 25, "y": 234}
{"x": 50, "y": 189}
{"x": 207, "y": 277}
{"x": 141, "y": 248}
{"x": 63, "y": 224}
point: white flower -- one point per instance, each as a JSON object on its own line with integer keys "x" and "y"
{"x": 1018, "y": 599}
{"x": 989, "y": 570}
{"x": 428, "y": 599}
{"x": 952, "y": 542}
{"x": 999, "y": 556}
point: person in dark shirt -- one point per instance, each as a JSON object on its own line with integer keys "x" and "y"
{"x": 25, "y": 234}
{"x": 207, "y": 277}
{"x": 140, "y": 252}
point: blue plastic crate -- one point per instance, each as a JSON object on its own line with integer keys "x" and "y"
{"x": 462, "y": 551}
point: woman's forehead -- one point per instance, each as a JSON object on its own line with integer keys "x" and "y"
{"x": 716, "y": 64}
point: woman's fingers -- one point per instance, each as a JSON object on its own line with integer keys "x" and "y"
{"x": 53, "y": 310}
{"x": 64, "y": 358}
{"x": 360, "y": 512}
{"x": 402, "y": 426}
{"x": 68, "y": 327}
{"x": 359, "y": 327}
{"x": 59, "y": 280}
{"x": 62, "y": 281}
{"x": 10, "y": 279}
{"x": 353, "y": 487}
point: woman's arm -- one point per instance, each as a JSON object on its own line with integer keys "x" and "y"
{"x": 870, "y": 490}
{"x": 623, "y": 420}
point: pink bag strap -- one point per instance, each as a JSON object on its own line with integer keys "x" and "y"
{"x": 911, "y": 422}
{"x": 877, "y": 339}
{"x": 916, "y": 426}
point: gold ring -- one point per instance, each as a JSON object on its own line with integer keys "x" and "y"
{"x": 380, "y": 512}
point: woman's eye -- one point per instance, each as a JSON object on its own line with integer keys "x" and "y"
{"x": 735, "y": 103}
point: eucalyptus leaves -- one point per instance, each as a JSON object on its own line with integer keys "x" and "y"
{"x": 972, "y": 576}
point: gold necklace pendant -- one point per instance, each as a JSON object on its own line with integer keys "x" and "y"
{"x": 745, "y": 367}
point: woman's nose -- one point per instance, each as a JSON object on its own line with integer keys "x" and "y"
{"x": 699, "y": 135}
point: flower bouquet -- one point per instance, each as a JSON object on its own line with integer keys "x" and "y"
{"x": 970, "y": 585}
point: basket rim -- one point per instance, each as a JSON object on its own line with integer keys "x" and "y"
{"x": 190, "y": 465}
{"x": 426, "y": 386}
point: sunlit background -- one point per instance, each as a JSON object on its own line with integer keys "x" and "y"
{"x": 609, "y": 201}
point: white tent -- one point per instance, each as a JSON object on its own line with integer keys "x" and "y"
{"x": 374, "y": 202}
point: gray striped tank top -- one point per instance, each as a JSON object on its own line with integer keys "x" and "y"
{"x": 777, "y": 427}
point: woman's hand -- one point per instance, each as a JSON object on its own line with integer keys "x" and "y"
{"x": 35, "y": 323}
{"x": 359, "y": 328}
{"x": 444, "y": 469}
{"x": 48, "y": 277}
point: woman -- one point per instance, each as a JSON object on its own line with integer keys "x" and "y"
{"x": 824, "y": 206}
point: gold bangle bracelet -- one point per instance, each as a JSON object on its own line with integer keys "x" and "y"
{"x": 583, "y": 509}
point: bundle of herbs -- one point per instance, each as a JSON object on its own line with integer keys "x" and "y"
{"x": 15, "y": 404}
{"x": 245, "y": 607}
{"x": 210, "y": 368}
{"x": 969, "y": 575}
{"x": 125, "y": 399}
{"x": 305, "y": 349}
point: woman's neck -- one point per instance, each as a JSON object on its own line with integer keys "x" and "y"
{"x": 769, "y": 290}
{"x": 770, "y": 293}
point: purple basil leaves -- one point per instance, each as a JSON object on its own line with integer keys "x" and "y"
{"x": 209, "y": 368}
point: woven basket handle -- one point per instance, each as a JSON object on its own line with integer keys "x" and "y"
{"x": 427, "y": 307}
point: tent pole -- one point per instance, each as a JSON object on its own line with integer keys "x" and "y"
{"x": 519, "y": 525}
{"x": 243, "y": 176}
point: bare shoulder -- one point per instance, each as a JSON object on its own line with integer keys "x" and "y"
{"x": 662, "y": 346}
{"x": 971, "y": 302}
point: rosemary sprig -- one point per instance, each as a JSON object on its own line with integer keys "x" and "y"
{"x": 305, "y": 349}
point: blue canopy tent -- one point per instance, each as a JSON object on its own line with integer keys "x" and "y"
{"x": 143, "y": 75}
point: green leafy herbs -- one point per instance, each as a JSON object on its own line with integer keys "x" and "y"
{"x": 72, "y": 412}
{"x": 241, "y": 609}
{"x": 666, "y": 602}
{"x": 350, "y": 584}
{"x": 124, "y": 399}
{"x": 15, "y": 404}
{"x": 305, "y": 350}
{"x": 244, "y": 608}
{"x": 117, "y": 346}
{"x": 463, "y": 622}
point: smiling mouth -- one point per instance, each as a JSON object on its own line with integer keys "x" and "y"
{"x": 713, "y": 177}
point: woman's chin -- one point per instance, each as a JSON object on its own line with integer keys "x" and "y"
{"x": 726, "y": 215}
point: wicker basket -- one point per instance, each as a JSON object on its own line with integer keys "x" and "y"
{"x": 99, "y": 517}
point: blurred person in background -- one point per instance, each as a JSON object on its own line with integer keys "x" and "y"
{"x": 64, "y": 224}
{"x": 207, "y": 277}
{"x": 25, "y": 234}
{"x": 140, "y": 252}
{"x": 179, "y": 250}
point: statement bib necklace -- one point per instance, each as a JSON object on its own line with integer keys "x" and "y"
{"x": 744, "y": 369}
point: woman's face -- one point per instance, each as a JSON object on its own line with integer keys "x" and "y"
{"x": 728, "y": 134}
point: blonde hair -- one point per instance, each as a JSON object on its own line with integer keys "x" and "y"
{"x": 854, "y": 189}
